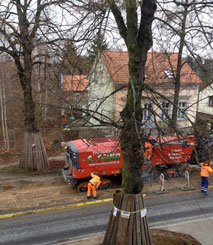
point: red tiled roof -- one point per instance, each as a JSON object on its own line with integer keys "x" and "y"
{"x": 75, "y": 83}
{"x": 116, "y": 63}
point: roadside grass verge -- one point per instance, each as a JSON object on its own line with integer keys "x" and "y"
{"x": 15, "y": 170}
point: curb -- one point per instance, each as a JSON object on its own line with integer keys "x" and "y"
{"x": 42, "y": 210}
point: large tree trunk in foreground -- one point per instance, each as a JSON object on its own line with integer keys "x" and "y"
{"x": 138, "y": 38}
{"x": 129, "y": 227}
{"x": 34, "y": 156}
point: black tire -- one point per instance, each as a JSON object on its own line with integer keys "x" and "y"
{"x": 170, "y": 175}
{"x": 83, "y": 189}
{"x": 193, "y": 160}
{"x": 106, "y": 186}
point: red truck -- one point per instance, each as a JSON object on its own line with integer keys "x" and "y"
{"x": 104, "y": 157}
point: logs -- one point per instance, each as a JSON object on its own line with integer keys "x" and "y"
{"x": 126, "y": 223}
{"x": 34, "y": 156}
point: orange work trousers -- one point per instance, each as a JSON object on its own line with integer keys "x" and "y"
{"x": 89, "y": 188}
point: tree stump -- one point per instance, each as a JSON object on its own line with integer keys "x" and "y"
{"x": 34, "y": 156}
{"x": 128, "y": 222}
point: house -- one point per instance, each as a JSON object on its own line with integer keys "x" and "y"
{"x": 107, "y": 88}
{"x": 205, "y": 106}
{"x": 75, "y": 89}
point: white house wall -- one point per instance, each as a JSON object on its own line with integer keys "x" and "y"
{"x": 204, "y": 100}
{"x": 100, "y": 88}
{"x": 187, "y": 93}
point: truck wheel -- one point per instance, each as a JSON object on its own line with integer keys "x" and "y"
{"x": 83, "y": 189}
{"x": 106, "y": 186}
{"x": 170, "y": 175}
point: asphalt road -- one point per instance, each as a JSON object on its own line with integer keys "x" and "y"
{"x": 68, "y": 224}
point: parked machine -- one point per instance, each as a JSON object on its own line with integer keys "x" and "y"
{"x": 104, "y": 157}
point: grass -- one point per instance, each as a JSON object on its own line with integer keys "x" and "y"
{"x": 14, "y": 169}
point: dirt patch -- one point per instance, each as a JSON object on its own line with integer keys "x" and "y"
{"x": 159, "y": 237}
{"x": 163, "y": 237}
{"x": 56, "y": 164}
{"x": 34, "y": 191}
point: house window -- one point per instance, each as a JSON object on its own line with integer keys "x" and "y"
{"x": 147, "y": 111}
{"x": 169, "y": 73}
{"x": 210, "y": 100}
{"x": 165, "y": 110}
{"x": 181, "y": 113}
{"x": 77, "y": 96}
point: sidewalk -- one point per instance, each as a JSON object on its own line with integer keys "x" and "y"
{"x": 199, "y": 229}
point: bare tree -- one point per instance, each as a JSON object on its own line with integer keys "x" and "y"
{"x": 136, "y": 31}
{"x": 26, "y": 25}
{"x": 3, "y": 106}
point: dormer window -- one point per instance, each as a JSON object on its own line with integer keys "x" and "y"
{"x": 169, "y": 73}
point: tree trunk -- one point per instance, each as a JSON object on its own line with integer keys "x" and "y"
{"x": 34, "y": 156}
{"x": 173, "y": 122}
{"x": 128, "y": 221}
{"x": 4, "y": 113}
{"x": 138, "y": 39}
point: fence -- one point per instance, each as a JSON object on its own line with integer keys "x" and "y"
{"x": 54, "y": 136}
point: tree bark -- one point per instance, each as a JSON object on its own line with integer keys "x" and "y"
{"x": 128, "y": 222}
{"x": 34, "y": 155}
{"x": 4, "y": 112}
{"x": 138, "y": 39}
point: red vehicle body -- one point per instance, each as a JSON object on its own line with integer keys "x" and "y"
{"x": 104, "y": 156}
{"x": 172, "y": 150}
{"x": 94, "y": 155}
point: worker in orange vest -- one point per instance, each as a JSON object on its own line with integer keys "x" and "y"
{"x": 93, "y": 185}
{"x": 148, "y": 150}
{"x": 205, "y": 170}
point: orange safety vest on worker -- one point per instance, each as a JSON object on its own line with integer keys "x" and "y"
{"x": 95, "y": 180}
{"x": 93, "y": 185}
{"x": 148, "y": 150}
{"x": 205, "y": 170}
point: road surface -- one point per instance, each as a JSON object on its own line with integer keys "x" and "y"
{"x": 68, "y": 224}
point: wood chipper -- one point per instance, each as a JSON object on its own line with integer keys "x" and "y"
{"x": 104, "y": 157}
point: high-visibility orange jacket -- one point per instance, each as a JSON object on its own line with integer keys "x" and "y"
{"x": 95, "y": 181}
{"x": 148, "y": 150}
{"x": 205, "y": 170}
